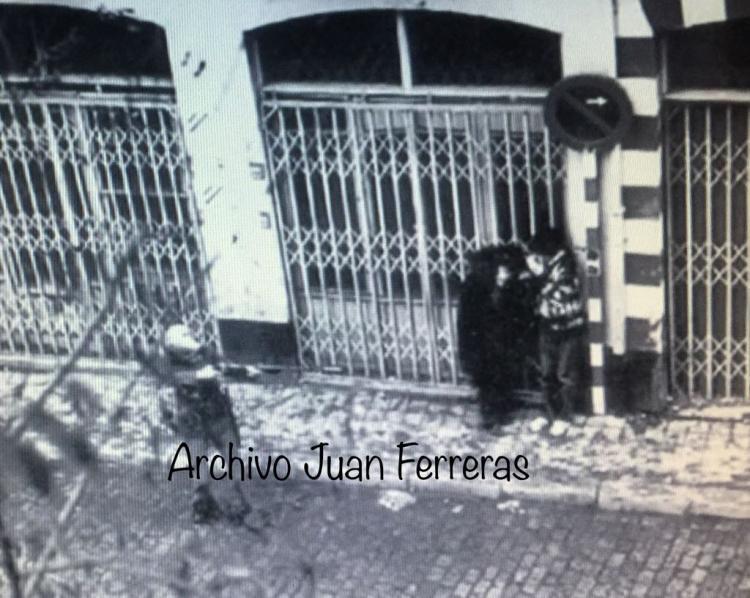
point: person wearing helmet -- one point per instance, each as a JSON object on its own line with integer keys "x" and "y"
{"x": 199, "y": 410}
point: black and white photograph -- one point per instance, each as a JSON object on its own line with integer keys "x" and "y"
{"x": 374, "y": 298}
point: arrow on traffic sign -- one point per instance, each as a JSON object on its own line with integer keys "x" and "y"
{"x": 598, "y": 101}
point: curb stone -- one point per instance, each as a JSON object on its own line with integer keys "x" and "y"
{"x": 477, "y": 488}
{"x": 718, "y": 413}
{"x": 624, "y": 494}
{"x": 628, "y": 494}
{"x": 584, "y": 493}
{"x": 735, "y": 504}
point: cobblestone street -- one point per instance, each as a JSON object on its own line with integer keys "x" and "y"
{"x": 644, "y": 526}
{"x": 341, "y": 540}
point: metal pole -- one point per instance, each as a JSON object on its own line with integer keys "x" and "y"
{"x": 511, "y": 187}
{"x": 421, "y": 232}
{"x": 747, "y": 261}
{"x": 548, "y": 179}
{"x": 334, "y": 238}
{"x": 402, "y": 245}
{"x": 454, "y": 194}
{"x": 708, "y": 339}
{"x": 318, "y": 256}
{"x": 293, "y": 205}
{"x": 404, "y": 52}
{"x": 361, "y": 199}
{"x": 529, "y": 175}
{"x": 728, "y": 256}
{"x": 689, "y": 247}
{"x": 342, "y": 174}
{"x": 489, "y": 178}
{"x": 477, "y": 213}
{"x": 442, "y": 254}
{"x": 395, "y": 329}
{"x": 670, "y": 241}
{"x": 274, "y": 169}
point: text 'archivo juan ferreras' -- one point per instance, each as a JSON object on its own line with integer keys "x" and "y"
{"x": 322, "y": 464}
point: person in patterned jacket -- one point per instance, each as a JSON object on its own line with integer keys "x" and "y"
{"x": 561, "y": 320}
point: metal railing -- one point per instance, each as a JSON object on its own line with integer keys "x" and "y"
{"x": 80, "y": 174}
{"x": 708, "y": 193}
{"x": 380, "y": 201}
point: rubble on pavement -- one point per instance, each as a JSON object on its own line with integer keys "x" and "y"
{"x": 673, "y": 458}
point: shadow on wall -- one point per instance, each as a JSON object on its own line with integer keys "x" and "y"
{"x": 636, "y": 382}
{"x": 258, "y": 342}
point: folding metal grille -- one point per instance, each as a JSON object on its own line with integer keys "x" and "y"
{"x": 379, "y": 204}
{"x": 79, "y": 175}
{"x": 709, "y": 202}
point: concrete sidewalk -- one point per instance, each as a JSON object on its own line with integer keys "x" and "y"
{"x": 698, "y": 463}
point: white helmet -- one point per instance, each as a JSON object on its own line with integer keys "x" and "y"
{"x": 180, "y": 343}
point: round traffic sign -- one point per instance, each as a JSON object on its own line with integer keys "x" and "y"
{"x": 588, "y": 112}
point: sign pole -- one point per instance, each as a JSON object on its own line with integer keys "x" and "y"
{"x": 594, "y": 281}
{"x": 591, "y": 114}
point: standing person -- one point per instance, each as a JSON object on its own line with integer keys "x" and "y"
{"x": 491, "y": 322}
{"x": 199, "y": 410}
{"x": 562, "y": 323}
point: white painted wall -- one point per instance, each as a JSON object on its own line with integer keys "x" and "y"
{"x": 224, "y": 141}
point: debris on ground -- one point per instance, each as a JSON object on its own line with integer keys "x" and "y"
{"x": 240, "y": 371}
{"x": 558, "y": 428}
{"x": 512, "y": 505}
{"x": 706, "y": 452}
{"x": 395, "y": 500}
{"x": 537, "y": 424}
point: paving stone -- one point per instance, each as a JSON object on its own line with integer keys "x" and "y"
{"x": 496, "y": 591}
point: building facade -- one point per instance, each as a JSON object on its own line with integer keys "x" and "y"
{"x": 338, "y": 198}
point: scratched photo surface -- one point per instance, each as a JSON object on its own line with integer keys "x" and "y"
{"x": 374, "y": 298}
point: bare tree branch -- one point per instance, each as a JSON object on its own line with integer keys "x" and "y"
{"x": 59, "y": 567}
{"x": 9, "y": 562}
{"x": 20, "y": 425}
{"x": 52, "y": 544}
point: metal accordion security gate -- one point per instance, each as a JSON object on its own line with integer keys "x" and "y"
{"x": 708, "y": 194}
{"x": 80, "y": 174}
{"x": 380, "y": 201}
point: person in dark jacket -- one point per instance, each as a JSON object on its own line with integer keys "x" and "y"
{"x": 562, "y": 321}
{"x": 494, "y": 318}
{"x": 199, "y": 410}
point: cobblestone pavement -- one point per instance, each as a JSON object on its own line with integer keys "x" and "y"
{"x": 339, "y": 540}
{"x": 679, "y": 465}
